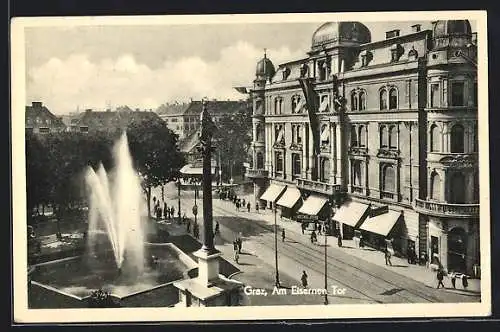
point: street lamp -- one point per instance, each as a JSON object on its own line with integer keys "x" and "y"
{"x": 277, "y": 279}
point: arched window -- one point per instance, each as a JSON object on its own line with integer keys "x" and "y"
{"x": 393, "y": 99}
{"x": 354, "y": 136}
{"x": 362, "y": 136}
{"x": 362, "y": 100}
{"x": 296, "y": 164}
{"x": 393, "y": 136}
{"x": 260, "y": 160}
{"x": 383, "y": 99}
{"x": 434, "y": 135}
{"x": 278, "y": 103}
{"x": 325, "y": 170}
{"x": 388, "y": 179}
{"x": 435, "y": 186}
{"x": 384, "y": 137}
{"x": 457, "y": 139}
{"x": 354, "y": 101}
{"x": 457, "y": 188}
{"x": 356, "y": 173}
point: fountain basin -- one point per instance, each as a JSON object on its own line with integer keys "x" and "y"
{"x": 76, "y": 278}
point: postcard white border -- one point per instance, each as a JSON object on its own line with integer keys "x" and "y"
{"x": 24, "y": 315}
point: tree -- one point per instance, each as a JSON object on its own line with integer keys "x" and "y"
{"x": 155, "y": 152}
{"x": 37, "y": 175}
{"x": 234, "y": 135}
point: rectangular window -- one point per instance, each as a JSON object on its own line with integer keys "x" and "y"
{"x": 279, "y": 162}
{"x": 435, "y": 96}
{"x": 44, "y": 130}
{"x": 84, "y": 129}
{"x": 457, "y": 94}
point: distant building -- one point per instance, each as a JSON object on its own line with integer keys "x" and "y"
{"x": 184, "y": 119}
{"x": 387, "y": 129}
{"x": 92, "y": 121}
{"x": 39, "y": 120}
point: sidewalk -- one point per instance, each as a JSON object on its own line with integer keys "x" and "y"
{"x": 400, "y": 265}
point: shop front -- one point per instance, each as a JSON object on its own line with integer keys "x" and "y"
{"x": 314, "y": 210}
{"x": 290, "y": 202}
{"x": 380, "y": 231}
{"x": 273, "y": 193}
{"x": 349, "y": 216}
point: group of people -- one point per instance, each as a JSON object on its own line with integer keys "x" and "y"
{"x": 196, "y": 228}
{"x": 441, "y": 274}
{"x": 411, "y": 254}
{"x": 239, "y": 203}
{"x": 165, "y": 211}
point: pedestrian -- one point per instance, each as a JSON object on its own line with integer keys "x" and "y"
{"x": 304, "y": 279}
{"x": 465, "y": 282}
{"x": 248, "y": 206}
{"x": 440, "y": 276}
{"x": 172, "y": 212}
{"x": 237, "y": 205}
{"x": 217, "y": 230}
{"x": 313, "y": 237}
{"x": 257, "y": 207}
{"x": 339, "y": 241}
{"x": 453, "y": 278}
{"x": 319, "y": 229}
{"x": 388, "y": 257}
{"x": 236, "y": 250}
{"x": 240, "y": 244}
{"x": 165, "y": 210}
{"x": 283, "y": 235}
{"x": 184, "y": 218}
{"x": 188, "y": 226}
{"x": 408, "y": 254}
{"x": 361, "y": 241}
{"x": 303, "y": 227}
{"x": 196, "y": 231}
{"x": 243, "y": 202}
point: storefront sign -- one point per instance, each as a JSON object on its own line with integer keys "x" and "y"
{"x": 306, "y": 217}
{"x": 378, "y": 211}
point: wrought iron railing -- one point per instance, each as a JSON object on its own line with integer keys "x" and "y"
{"x": 447, "y": 209}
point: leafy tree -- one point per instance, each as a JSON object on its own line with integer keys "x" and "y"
{"x": 155, "y": 152}
{"x": 234, "y": 136}
{"x": 37, "y": 175}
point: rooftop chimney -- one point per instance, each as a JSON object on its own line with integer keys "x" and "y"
{"x": 36, "y": 104}
{"x": 416, "y": 27}
{"x": 391, "y": 34}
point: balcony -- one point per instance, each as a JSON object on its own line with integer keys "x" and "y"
{"x": 256, "y": 173}
{"x": 319, "y": 187}
{"x": 446, "y": 209}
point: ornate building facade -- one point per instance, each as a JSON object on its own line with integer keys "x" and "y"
{"x": 384, "y": 132}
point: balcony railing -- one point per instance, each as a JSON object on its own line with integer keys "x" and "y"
{"x": 320, "y": 187}
{"x": 447, "y": 209}
{"x": 257, "y": 173}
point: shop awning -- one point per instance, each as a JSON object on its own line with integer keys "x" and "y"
{"x": 189, "y": 169}
{"x": 312, "y": 205}
{"x": 381, "y": 224}
{"x": 289, "y": 198}
{"x": 351, "y": 213}
{"x": 273, "y": 192}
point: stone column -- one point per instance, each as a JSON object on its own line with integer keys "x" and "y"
{"x": 338, "y": 155}
{"x": 310, "y": 154}
{"x": 332, "y": 156}
{"x": 444, "y": 183}
{"x": 443, "y": 253}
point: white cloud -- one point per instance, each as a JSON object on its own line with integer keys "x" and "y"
{"x": 64, "y": 84}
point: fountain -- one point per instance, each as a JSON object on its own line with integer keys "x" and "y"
{"x": 116, "y": 251}
{"x": 115, "y": 201}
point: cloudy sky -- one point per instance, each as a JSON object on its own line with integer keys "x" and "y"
{"x": 144, "y": 66}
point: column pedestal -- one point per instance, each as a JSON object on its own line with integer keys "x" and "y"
{"x": 209, "y": 289}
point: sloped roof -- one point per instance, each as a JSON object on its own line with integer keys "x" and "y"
{"x": 34, "y": 111}
{"x": 172, "y": 109}
{"x": 108, "y": 119}
{"x": 215, "y": 107}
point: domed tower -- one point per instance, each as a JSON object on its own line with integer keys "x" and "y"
{"x": 264, "y": 73}
{"x": 340, "y": 41}
{"x": 450, "y": 200}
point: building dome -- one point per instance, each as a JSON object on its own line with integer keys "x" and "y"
{"x": 452, "y": 27}
{"x": 265, "y": 68}
{"x": 338, "y": 32}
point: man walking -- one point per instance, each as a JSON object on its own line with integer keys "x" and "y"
{"x": 236, "y": 251}
{"x": 257, "y": 207}
{"x": 248, "y": 206}
{"x": 388, "y": 257}
{"x": 440, "y": 276}
{"x": 304, "y": 279}
{"x": 283, "y": 235}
